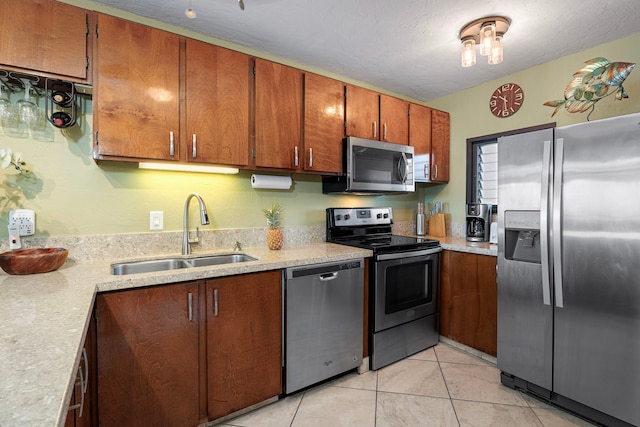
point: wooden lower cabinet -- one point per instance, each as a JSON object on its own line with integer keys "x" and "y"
{"x": 468, "y": 300}
{"x": 244, "y": 341}
{"x": 186, "y": 353}
{"x": 148, "y": 369}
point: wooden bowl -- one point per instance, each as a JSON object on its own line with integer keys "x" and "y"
{"x": 33, "y": 261}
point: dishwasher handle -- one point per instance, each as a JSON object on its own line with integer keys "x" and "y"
{"x": 329, "y": 276}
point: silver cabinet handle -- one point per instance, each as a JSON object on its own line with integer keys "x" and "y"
{"x": 544, "y": 227}
{"x": 435, "y": 171}
{"x": 172, "y": 146}
{"x": 557, "y": 231}
{"x": 295, "y": 156}
{"x": 194, "y": 146}
{"x": 190, "y": 302}
{"x": 375, "y": 129}
{"x": 215, "y": 302}
{"x": 84, "y": 377}
{"x": 384, "y": 131}
{"x": 310, "y": 157}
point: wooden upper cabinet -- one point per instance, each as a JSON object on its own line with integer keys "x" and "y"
{"x": 45, "y": 36}
{"x": 148, "y": 356}
{"x": 217, "y": 104}
{"x": 136, "y": 91}
{"x": 420, "y": 140}
{"x": 429, "y": 136}
{"x": 244, "y": 341}
{"x": 374, "y": 116}
{"x": 394, "y": 120}
{"x": 440, "y": 146}
{"x": 323, "y": 123}
{"x": 278, "y": 93}
{"x": 362, "y": 106}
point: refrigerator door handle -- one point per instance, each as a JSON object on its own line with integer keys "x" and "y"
{"x": 544, "y": 222}
{"x": 557, "y": 229}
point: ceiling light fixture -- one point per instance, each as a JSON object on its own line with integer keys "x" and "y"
{"x": 488, "y": 33}
{"x": 189, "y": 12}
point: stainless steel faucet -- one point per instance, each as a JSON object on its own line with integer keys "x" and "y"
{"x": 204, "y": 220}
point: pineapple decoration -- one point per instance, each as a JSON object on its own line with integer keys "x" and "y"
{"x": 274, "y": 234}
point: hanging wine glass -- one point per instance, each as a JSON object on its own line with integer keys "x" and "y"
{"x": 6, "y": 113}
{"x": 26, "y": 108}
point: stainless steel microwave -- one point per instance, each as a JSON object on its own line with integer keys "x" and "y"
{"x": 373, "y": 167}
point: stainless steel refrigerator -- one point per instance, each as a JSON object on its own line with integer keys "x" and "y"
{"x": 569, "y": 267}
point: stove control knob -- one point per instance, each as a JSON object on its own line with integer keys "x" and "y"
{"x": 379, "y": 216}
{"x": 386, "y": 216}
{"x": 347, "y": 217}
{"x": 338, "y": 217}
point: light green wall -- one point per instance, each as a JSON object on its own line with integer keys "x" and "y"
{"x": 470, "y": 115}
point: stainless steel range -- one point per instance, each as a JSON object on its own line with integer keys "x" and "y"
{"x": 403, "y": 306}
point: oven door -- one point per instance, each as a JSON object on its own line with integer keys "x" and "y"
{"x": 405, "y": 287}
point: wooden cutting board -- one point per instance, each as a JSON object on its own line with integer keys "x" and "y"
{"x": 437, "y": 226}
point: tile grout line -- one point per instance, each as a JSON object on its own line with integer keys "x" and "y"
{"x": 446, "y": 386}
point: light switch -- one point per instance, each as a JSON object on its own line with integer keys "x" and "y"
{"x": 155, "y": 220}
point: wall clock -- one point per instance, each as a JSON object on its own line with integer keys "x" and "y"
{"x": 506, "y": 100}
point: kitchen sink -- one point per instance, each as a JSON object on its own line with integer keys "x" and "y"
{"x": 218, "y": 259}
{"x": 150, "y": 266}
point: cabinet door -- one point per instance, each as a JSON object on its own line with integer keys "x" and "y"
{"x": 440, "y": 146}
{"x": 362, "y": 116}
{"x": 148, "y": 356}
{"x": 278, "y": 115}
{"x": 468, "y": 300}
{"x": 244, "y": 341}
{"x": 136, "y": 108}
{"x": 323, "y": 123}
{"x": 217, "y": 100}
{"x": 44, "y": 35}
{"x": 420, "y": 139}
{"x": 394, "y": 120}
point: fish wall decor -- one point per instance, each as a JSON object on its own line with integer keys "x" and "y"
{"x": 592, "y": 83}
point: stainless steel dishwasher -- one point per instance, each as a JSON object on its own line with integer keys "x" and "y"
{"x": 323, "y": 321}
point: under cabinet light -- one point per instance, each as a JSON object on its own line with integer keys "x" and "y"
{"x": 187, "y": 168}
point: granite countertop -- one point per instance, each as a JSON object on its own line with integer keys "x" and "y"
{"x": 460, "y": 244}
{"x": 44, "y": 320}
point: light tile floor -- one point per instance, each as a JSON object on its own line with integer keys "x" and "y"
{"x": 441, "y": 386}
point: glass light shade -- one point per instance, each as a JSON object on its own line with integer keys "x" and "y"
{"x": 495, "y": 56}
{"x": 487, "y": 37}
{"x": 468, "y": 53}
{"x": 190, "y": 13}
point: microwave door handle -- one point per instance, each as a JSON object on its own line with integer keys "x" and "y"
{"x": 402, "y": 168}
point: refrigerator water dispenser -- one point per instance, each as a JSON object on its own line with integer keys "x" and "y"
{"x": 522, "y": 236}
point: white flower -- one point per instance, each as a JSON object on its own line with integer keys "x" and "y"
{"x": 5, "y": 157}
{"x": 9, "y": 158}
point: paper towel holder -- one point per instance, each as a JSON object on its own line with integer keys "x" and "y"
{"x": 271, "y": 182}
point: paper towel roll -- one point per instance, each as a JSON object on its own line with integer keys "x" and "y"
{"x": 271, "y": 182}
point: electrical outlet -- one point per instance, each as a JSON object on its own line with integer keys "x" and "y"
{"x": 25, "y": 220}
{"x": 155, "y": 220}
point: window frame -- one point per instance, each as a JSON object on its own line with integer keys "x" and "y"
{"x": 472, "y": 153}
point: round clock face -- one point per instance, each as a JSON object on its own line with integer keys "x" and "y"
{"x": 506, "y": 100}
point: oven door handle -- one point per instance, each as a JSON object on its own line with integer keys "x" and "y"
{"x": 408, "y": 254}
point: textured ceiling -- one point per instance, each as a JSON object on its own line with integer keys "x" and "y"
{"x": 408, "y": 47}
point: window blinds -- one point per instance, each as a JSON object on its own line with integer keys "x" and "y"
{"x": 487, "y": 185}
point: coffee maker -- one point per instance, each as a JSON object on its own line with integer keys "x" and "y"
{"x": 478, "y": 222}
